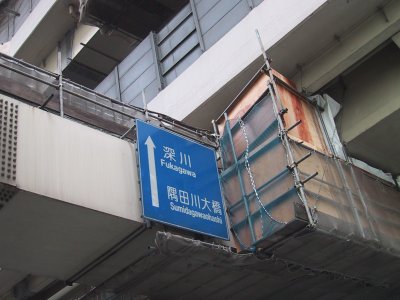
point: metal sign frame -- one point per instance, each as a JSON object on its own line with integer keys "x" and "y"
{"x": 179, "y": 182}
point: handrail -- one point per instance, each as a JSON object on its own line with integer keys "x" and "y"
{"x": 10, "y": 63}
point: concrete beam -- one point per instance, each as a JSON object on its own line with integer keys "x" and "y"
{"x": 68, "y": 193}
{"x": 232, "y": 54}
{"x": 349, "y": 49}
{"x": 82, "y": 34}
{"x": 378, "y": 144}
{"x": 370, "y": 97}
{"x": 396, "y": 39}
{"x": 41, "y": 31}
{"x": 64, "y": 160}
{"x": 28, "y": 27}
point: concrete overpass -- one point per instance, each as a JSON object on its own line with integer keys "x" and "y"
{"x": 71, "y": 223}
{"x": 67, "y": 218}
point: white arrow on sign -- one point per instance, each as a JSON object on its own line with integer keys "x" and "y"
{"x": 152, "y": 171}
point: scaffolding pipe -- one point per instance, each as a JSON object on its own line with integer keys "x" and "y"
{"x": 46, "y": 102}
{"x": 275, "y": 97}
{"x": 60, "y": 79}
{"x": 129, "y": 130}
{"x": 242, "y": 189}
{"x": 285, "y": 140}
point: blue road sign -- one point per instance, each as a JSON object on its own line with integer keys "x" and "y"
{"x": 179, "y": 182}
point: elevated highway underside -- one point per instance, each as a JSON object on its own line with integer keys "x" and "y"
{"x": 71, "y": 214}
{"x": 181, "y": 268}
{"x": 70, "y": 209}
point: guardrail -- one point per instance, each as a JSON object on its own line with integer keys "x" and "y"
{"x": 51, "y": 92}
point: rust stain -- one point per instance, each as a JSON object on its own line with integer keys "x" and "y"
{"x": 302, "y": 129}
{"x": 307, "y": 131}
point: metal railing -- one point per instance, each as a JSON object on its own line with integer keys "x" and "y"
{"x": 42, "y": 88}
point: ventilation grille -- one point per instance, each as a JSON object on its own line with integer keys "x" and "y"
{"x": 8, "y": 141}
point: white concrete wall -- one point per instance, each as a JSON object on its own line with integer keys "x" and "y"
{"x": 64, "y": 160}
{"x": 30, "y": 24}
{"x": 82, "y": 34}
{"x": 231, "y": 55}
{"x": 50, "y": 62}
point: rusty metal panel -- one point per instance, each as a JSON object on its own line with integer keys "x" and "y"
{"x": 308, "y": 131}
{"x": 259, "y": 186}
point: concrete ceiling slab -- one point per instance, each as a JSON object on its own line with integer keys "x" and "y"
{"x": 8, "y": 279}
{"x": 368, "y": 122}
{"x": 396, "y": 39}
{"x": 99, "y": 57}
{"x": 186, "y": 269}
{"x": 380, "y": 144}
{"x": 310, "y": 39}
{"x": 55, "y": 239}
{"x": 212, "y": 108}
{"x": 136, "y": 17}
{"x": 320, "y": 32}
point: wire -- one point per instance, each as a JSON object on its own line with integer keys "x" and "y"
{"x": 249, "y": 172}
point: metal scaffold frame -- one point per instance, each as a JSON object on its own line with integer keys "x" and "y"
{"x": 283, "y": 134}
{"x": 269, "y": 224}
{"x": 283, "y": 196}
{"x": 242, "y": 162}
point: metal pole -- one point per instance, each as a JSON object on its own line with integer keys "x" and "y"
{"x": 216, "y": 131}
{"x": 197, "y": 25}
{"x": 285, "y": 140}
{"x": 275, "y": 98}
{"x": 126, "y": 132}
{"x": 117, "y": 83}
{"x": 217, "y": 137}
{"x": 242, "y": 189}
{"x": 145, "y": 105}
{"x": 156, "y": 58}
{"x": 60, "y": 80}
{"x": 47, "y": 101}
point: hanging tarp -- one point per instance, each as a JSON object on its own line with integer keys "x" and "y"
{"x": 264, "y": 196}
